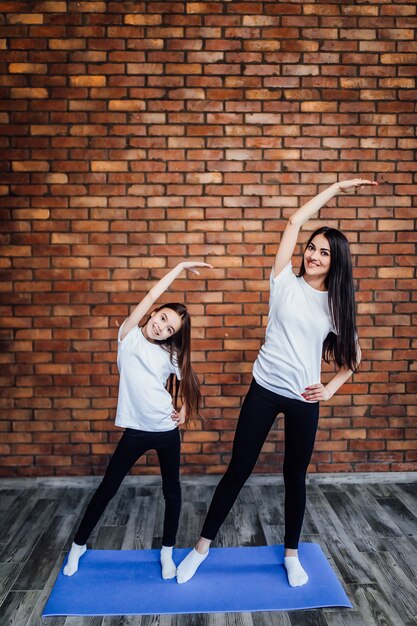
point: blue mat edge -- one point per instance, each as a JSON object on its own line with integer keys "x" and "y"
{"x": 341, "y": 604}
{"x": 309, "y": 608}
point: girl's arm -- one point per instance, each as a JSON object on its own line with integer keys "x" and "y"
{"x": 156, "y": 291}
{"x": 303, "y": 214}
{"x": 318, "y": 392}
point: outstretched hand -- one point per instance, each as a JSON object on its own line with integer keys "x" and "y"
{"x": 191, "y": 265}
{"x": 355, "y": 184}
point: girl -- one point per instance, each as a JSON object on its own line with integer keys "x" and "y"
{"x": 311, "y": 315}
{"x": 146, "y": 357}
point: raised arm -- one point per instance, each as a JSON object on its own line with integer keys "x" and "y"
{"x": 304, "y": 213}
{"x": 157, "y": 290}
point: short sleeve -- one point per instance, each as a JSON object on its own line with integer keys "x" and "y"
{"x": 130, "y": 335}
{"x": 284, "y": 278}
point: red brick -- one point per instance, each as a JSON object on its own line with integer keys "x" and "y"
{"x": 171, "y": 160}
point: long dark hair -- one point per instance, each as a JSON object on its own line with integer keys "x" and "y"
{"x": 340, "y": 347}
{"x": 179, "y": 348}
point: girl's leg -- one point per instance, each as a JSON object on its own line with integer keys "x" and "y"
{"x": 168, "y": 451}
{"x": 129, "y": 449}
{"x": 169, "y": 460}
{"x": 301, "y": 420}
{"x": 257, "y": 415}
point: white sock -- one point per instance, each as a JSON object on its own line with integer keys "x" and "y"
{"x": 188, "y": 566}
{"x": 168, "y": 566}
{"x": 74, "y": 556}
{"x": 297, "y": 576}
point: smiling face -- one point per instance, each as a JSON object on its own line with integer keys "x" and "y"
{"x": 162, "y": 324}
{"x": 317, "y": 257}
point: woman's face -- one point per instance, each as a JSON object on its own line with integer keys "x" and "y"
{"x": 162, "y": 324}
{"x": 317, "y": 257}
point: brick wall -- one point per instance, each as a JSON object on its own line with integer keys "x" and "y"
{"x": 135, "y": 134}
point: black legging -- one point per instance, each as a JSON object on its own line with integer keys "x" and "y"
{"x": 257, "y": 415}
{"x": 131, "y": 446}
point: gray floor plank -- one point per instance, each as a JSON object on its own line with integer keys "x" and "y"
{"x": 17, "y": 608}
{"x": 109, "y": 538}
{"x": 123, "y": 503}
{"x": 350, "y": 561}
{"x": 201, "y": 492}
{"x": 398, "y": 512}
{"x": 367, "y": 531}
{"x": 270, "y": 618}
{"x": 83, "y": 621}
{"x": 123, "y": 620}
{"x": 8, "y": 501}
{"x": 325, "y": 519}
{"x": 73, "y": 500}
{"x": 407, "y": 494}
{"x": 269, "y": 504}
{"x": 242, "y": 527}
{"x": 139, "y": 531}
{"x": 375, "y": 607}
{"x": 154, "y": 620}
{"x": 307, "y": 618}
{"x": 14, "y": 517}
{"x": 159, "y": 521}
{"x": 35, "y": 617}
{"x": 197, "y": 619}
{"x": 379, "y": 520}
{"x": 405, "y": 554}
{"x": 191, "y": 522}
{"x": 37, "y": 567}
{"x": 344, "y": 617}
{"x": 8, "y": 575}
{"x": 351, "y": 518}
{"x": 145, "y": 517}
{"x": 395, "y": 584}
{"x": 21, "y": 544}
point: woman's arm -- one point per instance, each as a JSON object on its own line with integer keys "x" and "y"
{"x": 157, "y": 290}
{"x": 320, "y": 392}
{"x": 304, "y": 213}
{"x": 180, "y": 416}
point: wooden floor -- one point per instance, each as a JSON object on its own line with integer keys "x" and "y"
{"x": 368, "y": 530}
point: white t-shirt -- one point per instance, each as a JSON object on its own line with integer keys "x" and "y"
{"x": 144, "y": 368}
{"x": 298, "y": 323}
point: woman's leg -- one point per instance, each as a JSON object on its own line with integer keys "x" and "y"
{"x": 301, "y": 420}
{"x": 168, "y": 451}
{"x": 257, "y": 415}
{"x": 129, "y": 449}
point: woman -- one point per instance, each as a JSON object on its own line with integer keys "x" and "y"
{"x": 147, "y": 357}
{"x": 310, "y": 316}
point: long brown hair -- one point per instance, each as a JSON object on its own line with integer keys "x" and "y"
{"x": 342, "y": 346}
{"x": 179, "y": 348}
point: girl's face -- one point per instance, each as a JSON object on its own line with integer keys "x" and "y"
{"x": 317, "y": 257}
{"x": 162, "y": 324}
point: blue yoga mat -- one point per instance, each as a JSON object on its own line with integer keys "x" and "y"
{"x": 129, "y": 582}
